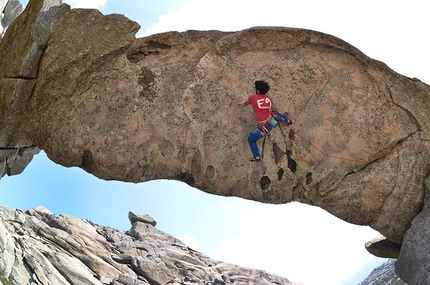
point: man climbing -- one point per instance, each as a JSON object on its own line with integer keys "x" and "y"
{"x": 265, "y": 114}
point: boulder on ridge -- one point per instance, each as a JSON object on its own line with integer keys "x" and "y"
{"x": 134, "y": 218}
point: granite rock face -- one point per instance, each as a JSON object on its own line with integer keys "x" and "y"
{"x": 413, "y": 264}
{"x": 9, "y": 10}
{"x": 383, "y": 247}
{"x": 20, "y": 52}
{"x": 42, "y": 248}
{"x": 167, "y": 106}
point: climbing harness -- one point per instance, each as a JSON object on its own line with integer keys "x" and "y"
{"x": 271, "y": 122}
{"x": 277, "y": 151}
{"x": 292, "y": 164}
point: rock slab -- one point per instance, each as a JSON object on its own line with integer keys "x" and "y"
{"x": 383, "y": 247}
{"x": 42, "y": 248}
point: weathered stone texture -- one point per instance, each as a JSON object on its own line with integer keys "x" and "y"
{"x": 134, "y": 218}
{"x": 413, "y": 265}
{"x": 42, "y": 248}
{"x": 169, "y": 109}
{"x": 9, "y": 10}
{"x": 167, "y": 106}
{"x": 20, "y": 52}
{"x": 383, "y": 247}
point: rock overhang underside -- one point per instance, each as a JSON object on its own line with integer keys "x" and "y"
{"x": 167, "y": 106}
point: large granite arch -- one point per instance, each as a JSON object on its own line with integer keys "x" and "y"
{"x": 89, "y": 94}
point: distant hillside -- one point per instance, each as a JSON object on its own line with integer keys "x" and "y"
{"x": 384, "y": 275}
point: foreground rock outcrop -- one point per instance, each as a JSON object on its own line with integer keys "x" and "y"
{"x": 39, "y": 247}
{"x": 9, "y": 10}
{"x": 78, "y": 85}
{"x": 413, "y": 265}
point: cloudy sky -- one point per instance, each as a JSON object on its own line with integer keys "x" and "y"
{"x": 300, "y": 242}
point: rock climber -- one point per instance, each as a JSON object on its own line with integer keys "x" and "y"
{"x": 265, "y": 114}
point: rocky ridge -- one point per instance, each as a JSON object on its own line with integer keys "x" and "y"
{"x": 39, "y": 247}
{"x": 80, "y": 86}
{"x": 384, "y": 275}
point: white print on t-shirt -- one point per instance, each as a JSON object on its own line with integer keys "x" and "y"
{"x": 260, "y": 103}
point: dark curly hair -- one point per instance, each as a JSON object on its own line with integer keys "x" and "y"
{"x": 262, "y": 86}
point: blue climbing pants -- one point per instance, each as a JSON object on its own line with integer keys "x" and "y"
{"x": 253, "y": 137}
{"x": 258, "y": 133}
{"x": 281, "y": 117}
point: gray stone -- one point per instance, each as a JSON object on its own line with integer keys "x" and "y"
{"x": 413, "y": 264}
{"x": 22, "y": 159}
{"x": 383, "y": 247}
{"x": 153, "y": 269}
{"x": 21, "y": 55}
{"x": 2, "y": 6}
{"x": 11, "y": 11}
{"x": 42, "y": 248}
{"x": 6, "y": 156}
{"x": 19, "y": 62}
{"x": 141, "y": 218}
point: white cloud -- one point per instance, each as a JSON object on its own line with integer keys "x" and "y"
{"x": 382, "y": 36}
{"x": 224, "y": 15}
{"x": 305, "y": 246}
{"x": 90, "y": 4}
{"x": 191, "y": 241}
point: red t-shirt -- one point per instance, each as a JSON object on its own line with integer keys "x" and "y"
{"x": 262, "y": 105}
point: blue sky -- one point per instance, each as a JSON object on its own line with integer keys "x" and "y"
{"x": 300, "y": 242}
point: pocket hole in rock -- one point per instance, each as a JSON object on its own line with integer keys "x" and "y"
{"x": 265, "y": 183}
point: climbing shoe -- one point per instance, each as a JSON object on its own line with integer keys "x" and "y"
{"x": 255, "y": 159}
